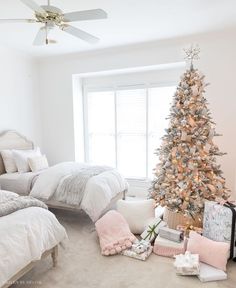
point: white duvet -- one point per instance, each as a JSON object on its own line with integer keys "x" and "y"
{"x": 99, "y": 190}
{"x": 24, "y": 236}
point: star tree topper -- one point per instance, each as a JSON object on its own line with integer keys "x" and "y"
{"x": 192, "y": 53}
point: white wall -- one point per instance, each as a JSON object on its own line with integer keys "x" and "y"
{"x": 19, "y": 101}
{"x": 217, "y": 61}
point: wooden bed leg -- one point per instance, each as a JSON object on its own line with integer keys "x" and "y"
{"x": 124, "y": 194}
{"x": 54, "y": 256}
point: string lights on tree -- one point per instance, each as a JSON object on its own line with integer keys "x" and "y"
{"x": 187, "y": 173}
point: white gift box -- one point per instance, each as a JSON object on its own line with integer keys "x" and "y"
{"x": 152, "y": 229}
{"x": 187, "y": 264}
{"x": 209, "y": 273}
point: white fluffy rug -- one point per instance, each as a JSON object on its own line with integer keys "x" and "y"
{"x": 82, "y": 266}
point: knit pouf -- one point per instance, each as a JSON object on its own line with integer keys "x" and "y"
{"x": 173, "y": 219}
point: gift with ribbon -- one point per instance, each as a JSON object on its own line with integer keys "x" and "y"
{"x": 187, "y": 264}
{"x": 152, "y": 229}
{"x": 140, "y": 250}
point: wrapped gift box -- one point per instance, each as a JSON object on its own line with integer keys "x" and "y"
{"x": 168, "y": 248}
{"x": 209, "y": 273}
{"x": 152, "y": 229}
{"x": 140, "y": 250}
{"x": 140, "y": 246}
{"x": 171, "y": 234}
{"x": 187, "y": 264}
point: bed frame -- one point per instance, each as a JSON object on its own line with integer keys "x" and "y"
{"x": 13, "y": 140}
{"x": 53, "y": 252}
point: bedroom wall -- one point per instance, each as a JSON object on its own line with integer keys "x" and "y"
{"x": 217, "y": 61}
{"x": 19, "y": 94}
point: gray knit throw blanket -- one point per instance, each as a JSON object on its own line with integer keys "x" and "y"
{"x": 72, "y": 187}
{"x": 17, "y": 203}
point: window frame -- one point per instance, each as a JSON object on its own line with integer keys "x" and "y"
{"x": 115, "y": 88}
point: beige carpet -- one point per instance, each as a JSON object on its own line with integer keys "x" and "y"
{"x": 81, "y": 265}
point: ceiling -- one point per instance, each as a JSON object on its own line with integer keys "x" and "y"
{"x": 129, "y": 22}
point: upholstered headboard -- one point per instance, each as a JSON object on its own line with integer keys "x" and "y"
{"x": 13, "y": 140}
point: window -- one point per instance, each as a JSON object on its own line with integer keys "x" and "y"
{"x": 123, "y": 127}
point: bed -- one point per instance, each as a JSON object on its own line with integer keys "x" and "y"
{"x": 100, "y": 193}
{"x": 27, "y": 236}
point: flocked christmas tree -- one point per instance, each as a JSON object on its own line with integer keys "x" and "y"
{"x": 187, "y": 172}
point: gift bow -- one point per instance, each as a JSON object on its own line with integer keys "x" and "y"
{"x": 152, "y": 231}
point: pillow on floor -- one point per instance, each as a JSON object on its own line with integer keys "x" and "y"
{"x": 137, "y": 213}
{"x": 210, "y": 252}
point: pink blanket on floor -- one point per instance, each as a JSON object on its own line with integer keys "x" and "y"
{"x": 114, "y": 233}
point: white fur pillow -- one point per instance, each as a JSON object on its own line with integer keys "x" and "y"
{"x": 8, "y": 161}
{"x": 137, "y": 213}
{"x": 21, "y": 158}
{"x": 38, "y": 163}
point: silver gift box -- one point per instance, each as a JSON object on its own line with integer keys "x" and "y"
{"x": 171, "y": 234}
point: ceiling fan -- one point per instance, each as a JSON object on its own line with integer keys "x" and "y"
{"x": 51, "y": 16}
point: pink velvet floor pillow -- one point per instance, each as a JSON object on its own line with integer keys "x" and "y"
{"x": 210, "y": 252}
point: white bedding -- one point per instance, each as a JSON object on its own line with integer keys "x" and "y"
{"x": 99, "y": 190}
{"x": 25, "y": 236}
{"x": 20, "y": 183}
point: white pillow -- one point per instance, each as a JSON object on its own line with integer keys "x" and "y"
{"x": 9, "y": 161}
{"x": 137, "y": 213}
{"x": 38, "y": 163}
{"x": 21, "y": 158}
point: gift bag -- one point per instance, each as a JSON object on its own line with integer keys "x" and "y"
{"x": 219, "y": 224}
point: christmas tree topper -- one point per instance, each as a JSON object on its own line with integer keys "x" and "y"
{"x": 192, "y": 53}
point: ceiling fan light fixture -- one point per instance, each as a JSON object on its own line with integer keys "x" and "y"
{"x": 51, "y": 16}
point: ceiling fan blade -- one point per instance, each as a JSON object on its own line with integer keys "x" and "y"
{"x": 40, "y": 38}
{"x": 80, "y": 34}
{"x": 17, "y": 21}
{"x": 34, "y": 6}
{"x": 85, "y": 15}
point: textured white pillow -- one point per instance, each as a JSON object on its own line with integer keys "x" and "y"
{"x": 38, "y": 163}
{"x": 9, "y": 161}
{"x": 21, "y": 158}
{"x": 137, "y": 213}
